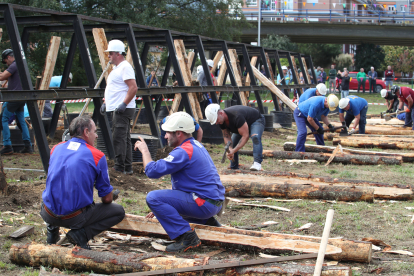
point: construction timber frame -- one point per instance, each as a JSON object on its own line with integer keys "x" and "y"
{"x": 61, "y": 22}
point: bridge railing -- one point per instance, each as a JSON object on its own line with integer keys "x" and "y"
{"x": 336, "y": 15}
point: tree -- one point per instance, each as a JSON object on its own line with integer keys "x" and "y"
{"x": 279, "y": 43}
{"x": 368, "y": 55}
{"x": 322, "y": 54}
{"x": 401, "y": 58}
{"x": 343, "y": 61}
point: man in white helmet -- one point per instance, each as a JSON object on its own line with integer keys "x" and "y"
{"x": 197, "y": 194}
{"x": 356, "y": 108}
{"x": 243, "y": 122}
{"x": 320, "y": 90}
{"x": 120, "y": 92}
{"x": 201, "y": 78}
{"x": 391, "y": 99}
{"x": 307, "y": 112}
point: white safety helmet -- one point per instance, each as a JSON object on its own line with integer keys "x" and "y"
{"x": 179, "y": 121}
{"x": 321, "y": 89}
{"x": 210, "y": 63}
{"x": 332, "y": 102}
{"x": 284, "y": 67}
{"x": 384, "y": 93}
{"x": 70, "y": 77}
{"x": 116, "y": 46}
{"x": 211, "y": 112}
{"x": 343, "y": 103}
{"x": 199, "y": 69}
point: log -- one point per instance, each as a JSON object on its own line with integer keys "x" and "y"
{"x": 350, "y": 250}
{"x": 365, "y": 143}
{"x": 383, "y": 130}
{"x": 272, "y": 87}
{"x": 381, "y": 190}
{"x": 237, "y": 75}
{"x": 216, "y": 61}
{"x": 222, "y": 77}
{"x": 101, "y": 46}
{"x": 339, "y": 158}
{"x": 393, "y": 121}
{"x": 256, "y": 186}
{"x": 289, "y": 146}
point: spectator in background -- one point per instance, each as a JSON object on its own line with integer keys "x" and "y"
{"x": 345, "y": 84}
{"x": 389, "y": 76}
{"x": 338, "y": 77}
{"x": 322, "y": 77}
{"x": 311, "y": 76}
{"x": 286, "y": 77}
{"x": 372, "y": 79}
{"x": 362, "y": 78}
{"x": 262, "y": 70}
{"x": 332, "y": 76}
{"x": 154, "y": 79}
{"x": 318, "y": 74}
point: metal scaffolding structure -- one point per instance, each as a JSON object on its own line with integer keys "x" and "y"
{"x": 53, "y": 21}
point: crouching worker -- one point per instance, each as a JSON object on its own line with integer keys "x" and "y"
{"x": 75, "y": 168}
{"x": 197, "y": 193}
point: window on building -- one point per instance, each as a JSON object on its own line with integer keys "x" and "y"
{"x": 251, "y": 2}
{"x": 312, "y": 1}
{"x": 402, "y": 8}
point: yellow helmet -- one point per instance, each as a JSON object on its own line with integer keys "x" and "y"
{"x": 332, "y": 102}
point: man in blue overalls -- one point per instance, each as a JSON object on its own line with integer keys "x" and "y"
{"x": 356, "y": 108}
{"x": 307, "y": 112}
{"x": 319, "y": 90}
{"x": 197, "y": 194}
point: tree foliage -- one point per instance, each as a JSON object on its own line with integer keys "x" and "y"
{"x": 343, "y": 61}
{"x": 322, "y": 54}
{"x": 368, "y": 55}
{"x": 401, "y": 58}
{"x": 279, "y": 42}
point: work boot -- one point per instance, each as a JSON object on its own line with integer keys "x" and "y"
{"x": 52, "y": 234}
{"x": 78, "y": 237}
{"x": 6, "y": 150}
{"x": 212, "y": 222}
{"x": 256, "y": 167}
{"x": 27, "y": 147}
{"x": 184, "y": 242}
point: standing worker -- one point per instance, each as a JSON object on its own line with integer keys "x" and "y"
{"x": 197, "y": 194}
{"x": 406, "y": 96}
{"x": 332, "y": 79}
{"x": 320, "y": 90}
{"x": 391, "y": 99}
{"x": 120, "y": 94}
{"x": 154, "y": 79}
{"x": 356, "y": 108}
{"x": 305, "y": 115}
{"x": 362, "y": 78}
{"x": 372, "y": 78}
{"x": 243, "y": 122}
{"x": 12, "y": 75}
{"x": 345, "y": 79}
{"x": 54, "y": 82}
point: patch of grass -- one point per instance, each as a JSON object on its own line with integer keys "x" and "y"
{"x": 348, "y": 174}
{"x": 7, "y": 244}
{"x": 6, "y": 266}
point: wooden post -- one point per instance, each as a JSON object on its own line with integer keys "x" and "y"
{"x": 324, "y": 243}
{"x": 185, "y": 70}
{"x": 101, "y": 45}
{"x": 233, "y": 61}
{"x": 253, "y": 62}
{"x": 295, "y": 70}
{"x": 272, "y": 76}
{"x": 49, "y": 67}
{"x": 216, "y": 60}
{"x": 222, "y": 74}
{"x": 306, "y": 70}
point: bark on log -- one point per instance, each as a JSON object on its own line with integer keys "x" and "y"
{"x": 381, "y": 190}
{"x": 383, "y": 130}
{"x": 365, "y": 143}
{"x": 358, "y": 251}
{"x": 109, "y": 263}
{"x": 289, "y": 146}
{"x": 339, "y": 158}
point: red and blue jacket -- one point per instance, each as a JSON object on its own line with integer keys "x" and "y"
{"x": 75, "y": 167}
{"x": 191, "y": 169}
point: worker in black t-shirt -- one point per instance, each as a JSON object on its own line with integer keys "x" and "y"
{"x": 243, "y": 122}
{"x": 392, "y": 100}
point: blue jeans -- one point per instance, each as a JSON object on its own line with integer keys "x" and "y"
{"x": 5, "y": 123}
{"x": 349, "y": 117}
{"x": 255, "y": 132}
{"x": 301, "y": 123}
{"x": 409, "y": 117}
{"x": 344, "y": 93}
{"x": 175, "y": 209}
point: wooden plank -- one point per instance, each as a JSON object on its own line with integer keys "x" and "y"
{"x": 129, "y": 57}
{"x": 222, "y": 74}
{"x": 102, "y": 45}
{"x": 22, "y": 232}
{"x": 272, "y": 76}
{"x": 306, "y": 70}
{"x": 295, "y": 70}
{"x": 190, "y": 60}
{"x": 324, "y": 242}
{"x": 237, "y": 76}
{"x": 272, "y": 87}
{"x": 49, "y": 68}
{"x": 216, "y": 61}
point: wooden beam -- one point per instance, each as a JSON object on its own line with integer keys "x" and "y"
{"x": 102, "y": 45}
{"x": 222, "y": 74}
{"x": 129, "y": 57}
{"x": 272, "y": 87}
{"x": 272, "y": 76}
{"x": 295, "y": 70}
{"x": 190, "y": 60}
{"x": 253, "y": 62}
{"x": 233, "y": 61}
{"x": 49, "y": 68}
{"x": 306, "y": 70}
{"x": 216, "y": 61}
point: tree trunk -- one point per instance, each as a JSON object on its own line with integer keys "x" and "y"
{"x": 3, "y": 182}
{"x": 85, "y": 260}
{"x": 351, "y": 250}
{"x": 290, "y": 146}
{"x": 383, "y": 130}
{"x": 339, "y": 158}
{"x": 365, "y": 143}
{"x": 266, "y": 183}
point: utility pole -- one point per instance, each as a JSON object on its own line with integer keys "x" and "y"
{"x": 259, "y": 11}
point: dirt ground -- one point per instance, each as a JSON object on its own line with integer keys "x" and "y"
{"x": 388, "y": 221}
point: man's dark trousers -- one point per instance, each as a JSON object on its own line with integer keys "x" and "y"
{"x": 94, "y": 219}
{"x": 372, "y": 84}
{"x": 363, "y": 86}
{"x": 121, "y": 126}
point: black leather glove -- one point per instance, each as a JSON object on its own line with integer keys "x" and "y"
{"x": 320, "y": 130}
{"x": 331, "y": 128}
{"x": 389, "y": 111}
{"x": 344, "y": 124}
{"x": 115, "y": 194}
{"x": 103, "y": 109}
{"x": 121, "y": 108}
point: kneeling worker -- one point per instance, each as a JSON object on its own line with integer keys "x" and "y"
{"x": 355, "y": 107}
{"x": 75, "y": 168}
{"x": 243, "y": 122}
{"x": 392, "y": 100}
{"x": 320, "y": 90}
{"x": 307, "y": 112}
{"x": 197, "y": 194}
{"x": 198, "y": 130}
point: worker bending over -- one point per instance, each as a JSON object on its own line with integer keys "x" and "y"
{"x": 356, "y": 108}
{"x": 406, "y": 96}
{"x": 197, "y": 193}
{"x": 320, "y": 90}
{"x": 243, "y": 122}
{"x": 391, "y": 99}
{"x": 305, "y": 115}
{"x": 75, "y": 168}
